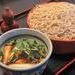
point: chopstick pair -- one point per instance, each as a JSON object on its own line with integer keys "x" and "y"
{"x": 65, "y": 67}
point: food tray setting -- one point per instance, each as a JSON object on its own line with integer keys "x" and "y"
{"x": 56, "y": 62}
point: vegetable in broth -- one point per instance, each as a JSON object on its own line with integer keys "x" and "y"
{"x": 23, "y": 50}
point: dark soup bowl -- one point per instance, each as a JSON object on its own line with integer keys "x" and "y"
{"x": 37, "y": 69}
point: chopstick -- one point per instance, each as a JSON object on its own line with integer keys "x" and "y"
{"x": 65, "y": 67}
{"x": 25, "y": 11}
{"x": 19, "y": 14}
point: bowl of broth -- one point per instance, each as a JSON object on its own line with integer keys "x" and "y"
{"x": 24, "y": 51}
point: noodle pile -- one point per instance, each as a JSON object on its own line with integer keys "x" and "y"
{"x": 56, "y": 19}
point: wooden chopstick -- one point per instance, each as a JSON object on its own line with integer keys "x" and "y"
{"x": 19, "y": 14}
{"x": 23, "y": 12}
{"x": 65, "y": 67}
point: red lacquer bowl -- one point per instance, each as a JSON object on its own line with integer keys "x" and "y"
{"x": 60, "y": 46}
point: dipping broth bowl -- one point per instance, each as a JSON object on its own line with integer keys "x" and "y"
{"x": 36, "y": 69}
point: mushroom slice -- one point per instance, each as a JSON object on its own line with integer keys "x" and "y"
{"x": 6, "y": 53}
